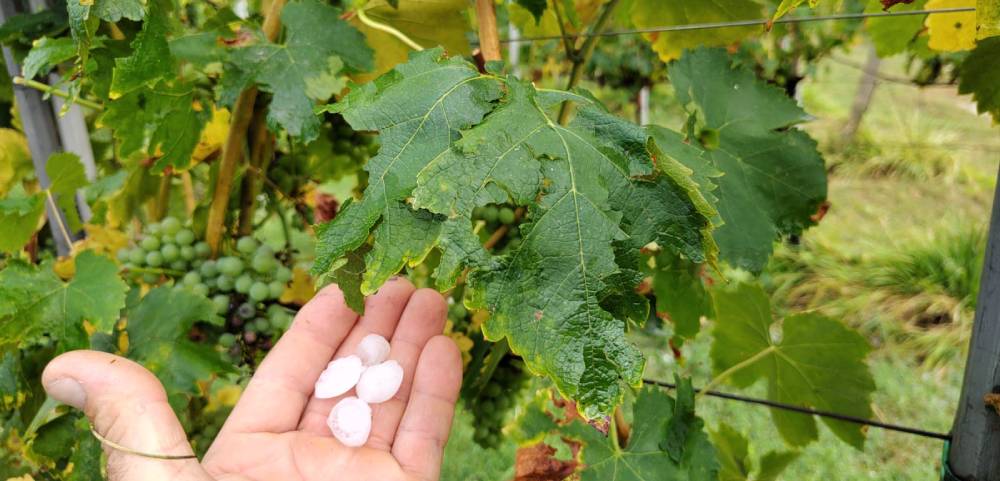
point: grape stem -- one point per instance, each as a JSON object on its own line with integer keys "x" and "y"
{"x": 162, "y": 200}
{"x": 232, "y": 149}
{"x": 365, "y": 19}
{"x": 581, "y": 57}
{"x": 46, "y": 88}
{"x": 622, "y": 427}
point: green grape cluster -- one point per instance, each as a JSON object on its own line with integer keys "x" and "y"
{"x": 495, "y": 216}
{"x": 350, "y": 147}
{"x": 165, "y": 249}
{"x": 496, "y": 400}
{"x": 340, "y": 151}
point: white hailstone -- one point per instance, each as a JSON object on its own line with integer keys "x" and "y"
{"x": 373, "y": 350}
{"x": 350, "y": 421}
{"x": 380, "y": 382}
{"x": 339, "y": 377}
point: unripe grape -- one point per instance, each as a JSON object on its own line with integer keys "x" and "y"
{"x": 170, "y": 225}
{"x": 184, "y": 237}
{"x": 191, "y": 278}
{"x": 211, "y": 283}
{"x": 246, "y": 245}
{"x": 224, "y": 283}
{"x": 153, "y": 229}
{"x": 350, "y": 421}
{"x": 179, "y": 265}
{"x": 166, "y": 239}
{"x": 265, "y": 250}
{"x": 280, "y": 320}
{"x": 200, "y": 289}
{"x": 227, "y": 340}
{"x": 490, "y": 213}
{"x": 246, "y": 310}
{"x": 283, "y": 274}
{"x": 137, "y": 256}
{"x": 123, "y": 254}
{"x": 221, "y": 302}
{"x": 209, "y": 268}
{"x": 154, "y": 259}
{"x": 230, "y": 266}
{"x": 379, "y": 383}
{"x": 243, "y": 283}
{"x": 275, "y": 289}
{"x": 261, "y": 324}
{"x": 259, "y": 291}
{"x": 506, "y": 215}
{"x": 170, "y": 252}
{"x": 150, "y": 243}
{"x": 250, "y": 337}
{"x": 487, "y": 406}
{"x": 263, "y": 263}
{"x": 493, "y": 390}
{"x": 202, "y": 249}
{"x": 187, "y": 253}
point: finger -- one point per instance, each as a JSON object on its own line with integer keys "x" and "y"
{"x": 423, "y": 431}
{"x": 277, "y": 395}
{"x": 423, "y": 319}
{"x": 127, "y": 405}
{"x": 382, "y": 312}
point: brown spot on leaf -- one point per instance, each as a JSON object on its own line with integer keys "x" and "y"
{"x": 887, "y": 4}
{"x": 326, "y": 207}
{"x": 537, "y": 462}
{"x": 538, "y": 315}
{"x": 820, "y": 211}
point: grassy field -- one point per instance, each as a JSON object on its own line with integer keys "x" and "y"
{"x": 897, "y": 257}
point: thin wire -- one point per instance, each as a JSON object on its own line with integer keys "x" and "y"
{"x": 744, "y": 23}
{"x": 816, "y": 412}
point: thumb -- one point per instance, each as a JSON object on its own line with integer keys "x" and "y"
{"x": 128, "y": 406}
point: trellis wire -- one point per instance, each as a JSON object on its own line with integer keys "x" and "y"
{"x": 744, "y": 23}
{"x": 817, "y": 412}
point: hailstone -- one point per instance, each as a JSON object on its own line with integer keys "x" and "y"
{"x": 379, "y": 383}
{"x": 339, "y": 377}
{"x": 373, "y": 350}
{"x": 350, "y": 421}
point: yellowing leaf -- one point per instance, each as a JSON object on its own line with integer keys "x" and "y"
{"x": 670, "y": 45}
{"x": 300, "y": 290}
{"x": 101, "y": 239}
{"x": 951, "y": 32}
{"x": 224, "y": 397}
{"x": 987, "y": 19}
{"x": 212, "y": 136}
{"x": 15, "y": 160}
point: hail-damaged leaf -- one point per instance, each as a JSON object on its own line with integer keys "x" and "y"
{"x": 818, "y": 362}
{"x": 643, "y": 459}
{"x": 305, "y": 69}
{"x": 951, "y": 31}
{"x": 979, "y": 74}
{"x": 35, "y": 301}
{"x": 151, "y": 59}
{"x": 418, "y": 109}
{"x": 158, "y": 326}
{"x": 161, "y": 121}
{"x": 774, "y": 178}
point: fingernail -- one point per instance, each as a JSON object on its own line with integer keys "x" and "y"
{"x": 67, "y": 391}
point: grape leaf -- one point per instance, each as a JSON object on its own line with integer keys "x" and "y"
{"x": 787, "y": 6}
{"x": 34, "y": 301}
{"x": 20, "y": 216}
{"x": 161, "y": 121}
{"x": 670, "y": 45}
{"x": 45, "y": 54}
{"x": 85, "y": 16}
{"x": 987, "y": 19}
{"x": 736, "y": 463}
{"x": 66, "y": 175}
{"x": 150, "y": 59}
{"x": 536, "y": 7}
{"x": 979, "y": 74}
{"x": 643, "y": 459}
{"x": 596, "y": 191}
{"x": 429, "y": 23}
{"x": 818, "y": 362}
{"x": 951, "y": 32}
{"x": 158, "y": 325}
{"x": 892, "y": 35}
{"x": 86, "y": 458}
{"x": 418, "y": 108}
{"x": 774, "y": 179}
{"x": 304, "y": 69}
{"x": 680, "y": 293}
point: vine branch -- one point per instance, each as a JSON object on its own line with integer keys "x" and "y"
{"x": 580, "y": 57}
{"x": 232, "y": 149}
{"x": 46, "y": 88}
{"x": 489, "y": 38}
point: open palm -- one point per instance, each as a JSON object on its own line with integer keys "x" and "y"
{"x": 278, "y": 430}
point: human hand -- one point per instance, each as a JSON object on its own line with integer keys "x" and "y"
{"x": 277, "y": 430}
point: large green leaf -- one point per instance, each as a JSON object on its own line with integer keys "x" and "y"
{"x": 736, "y": 462}
{"x": 680, "y": 292}
{"x": 150, "y": 60}
{"x": 306, "y": 68}
{"x": 643, "y": 459}
{"x": 816, "y": 362}
{"x": 773, "y": 178}
{"x": 46, "y": 53}
{"x": 670, "y": 45}
{"x": 893, "y": 35}
{"x": 158, "y": 326}
{"x": 979, "y": 74}
{"x": 33, "y": 301}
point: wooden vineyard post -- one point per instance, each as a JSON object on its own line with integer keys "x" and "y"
{"x": 974, "y": 454}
